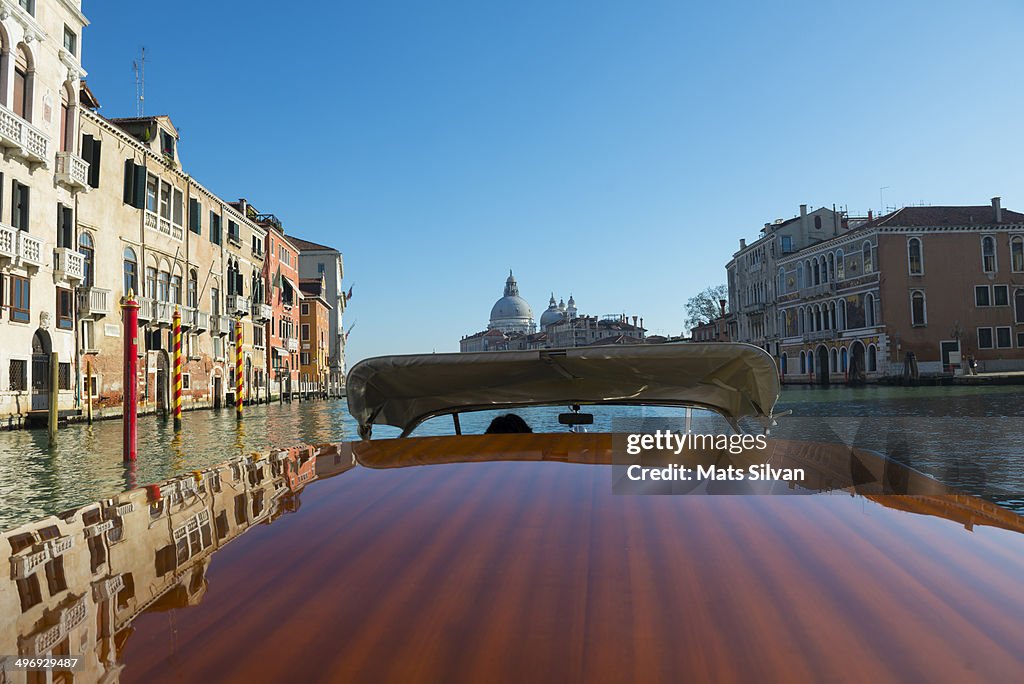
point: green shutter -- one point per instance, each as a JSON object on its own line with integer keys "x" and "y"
{"x": 94, "y": 164}
{"x": 129, "y": 181}
{"x": 140, "y": 187}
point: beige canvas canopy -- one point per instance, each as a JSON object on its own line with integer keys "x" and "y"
{"x": 735, "y": 380}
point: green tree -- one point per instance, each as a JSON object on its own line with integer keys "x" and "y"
{"x": 704, "y": 306}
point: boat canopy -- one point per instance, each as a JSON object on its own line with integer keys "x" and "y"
{"x": 735, "y": 380}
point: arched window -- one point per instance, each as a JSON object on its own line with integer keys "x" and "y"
{"x": 988, "y": 254}
{"x": 192, "y": 294}
{"x": 67, "y": 120}
{"x": 918, "y": 310}
{"x": 163, "y": 286}
{"x": 872, "y": 358}
{"x": 842, "y": 360}
{"x": 803, "y": 362}
{"x": 817, "y": 273}
{"x": 824, "y": 269}
{"x": 817, "y": 318}
{"x": 915, "y": 256}
{"x": 841, "y": 312}
{"x": 131, "y": 271}
{"x": 784, "y": 360}
{"x": 24, "y": 80}
{"x": 817, "y": 223}
{"x": 88, "y": 252}
{"x": 832, "y": 315}
{"x": 799, "y": 276}
{"x": 176, "y": 288}
{"x": 782, "y": 280}
{"x": 834, "y": 360}
{"x": 1017, "y": 253}
{"x": 800, "y": 321}
{"x": 869, "y": 264}
{"x": 840, "y": 265}
{"x": 869, "y": 310}
{"x": 831, "y": 266}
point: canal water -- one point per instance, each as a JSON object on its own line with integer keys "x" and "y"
{"x": 971, "y": 437}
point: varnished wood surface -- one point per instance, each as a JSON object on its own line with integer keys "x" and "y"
{"x": 536, "y": 572}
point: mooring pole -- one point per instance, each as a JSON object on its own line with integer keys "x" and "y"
{"x": 52, "y": 422}
{"x": 130, "y": 380}
{"x": 239, "y": 381}
{"x": 88, "y": 391}
{"x": 177, "y": 368}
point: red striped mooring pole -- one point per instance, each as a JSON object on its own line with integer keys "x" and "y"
{"x": 130, "y": 379}
{"x": 238, "y": 367}
{"x": 177, "y": 368}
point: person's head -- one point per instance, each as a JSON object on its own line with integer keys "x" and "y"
{"x": 507, "y": 423}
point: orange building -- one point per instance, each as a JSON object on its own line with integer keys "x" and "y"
{"x": 314, "y": 336}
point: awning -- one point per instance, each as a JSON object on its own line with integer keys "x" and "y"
{"x": 735, "y": 380}
{"x": 289, "y": 283}
{"x": 280, "y": 351}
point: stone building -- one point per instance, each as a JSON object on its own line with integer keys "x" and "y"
{"x": 316, "y": 261}
{"x": 939, "y": 283}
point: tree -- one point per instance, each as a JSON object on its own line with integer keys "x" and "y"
{"x": 704, "y": 306}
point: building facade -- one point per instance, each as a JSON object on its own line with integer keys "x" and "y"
{"x": 314, "y": 337}
{"x": 281, "y": 271}
{"x": 922, "y": 287}
{"x": 316, "y": 261}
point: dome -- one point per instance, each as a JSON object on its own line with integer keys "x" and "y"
{"x": 512, "y": 313}
{"x": 552, "y": 315}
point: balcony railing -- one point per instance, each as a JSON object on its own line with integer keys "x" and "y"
{"x": 68, "y": 264}
{"x": 30, "y": 249}
{"x": 292, "y": 343}
{"x": 817, "y": 290}
{"x": 72, "y": 170}
{"x": 194, "y": 319}
{"x": 146, "y": 308}
{"x": 219, "y": 325}
{"x": 22, "y": 138}
{"x": 238, "y": 304}
{"x": 163, "y": 312}
{"x": 93, "y": 302}
{"x": 262, "y": 312}
{"x": 8, "y": 242}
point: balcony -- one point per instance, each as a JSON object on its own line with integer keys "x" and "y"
{"x": 158, "y": 223}
{"x": 8, "y": 242}
{"x": 72, "y": 171}
{"x": 292, "y": 344}
{"x": 219, "y": 325}
{"x": 197, "y": 321}
{"x": 146, "y": 308}
{"x": 163, "y": 313}
{"x": 93, "y": 302}
{"x": 30, "y": 249}
{"x": 68, "y": 265}
{"x": 22, "y": 139}
{"x": 262, "y": 312}
{"x": 238, "y": 304}
{"x": 817, "y": 290}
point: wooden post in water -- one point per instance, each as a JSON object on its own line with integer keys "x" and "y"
{"x": 177, "y": 368}
{"x": 239, "y": 380}
{"x": 54, "y": 376}
{"x": 88, "y": 391}
{"x": 130, "y": 377}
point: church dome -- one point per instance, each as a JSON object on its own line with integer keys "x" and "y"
{"x": 552, "y": 315}
{"x": 512, "y": 313}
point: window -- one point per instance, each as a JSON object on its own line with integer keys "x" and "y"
{"x": 1017, "y": 253}
{"x": 166, "y": 144}
{"x": 869, "y": 264}
{"x": 799, "y": 276}
{"x": 215, "y": 235}
{"x": 305, "y": 309}
{"x": 176, "y": 289}
{"x": 88, "y": 338}
{"x": 19, "y": 206}
{"x": 872, "y": 358}
{"x": 1018, "y": 306}
{"x": 984, "y": 338}
{"x": 192, "y": 295}
{"x": 233, "y": 233}
{"x": 70, "y": 41}
{"x": 195, "y": 213}
{"x": 840, "y": 265}
{"x": 981, "y": 296}
{"x": 85, "y": 248}
{"x": 165, "y": 200}
{"x": 215, "y": 301}
{"x": 177, "y": 204}
{"x": 186, "y": 381}
{"x": 1003, "y": 338}
{"x": 915, "y": 257}
{"x": 305, "y": 332}
{"x": 64, "y": 375}
{"x": 131, "y": 271}
{"x": 91, "y": 153}
{"x": 257, "y": 245}
{"x": 28, "y": 5}
{"x": 988, "y": 254}
{"x": 151, "y": 282}
{"x": 17, "y": 375}
{"x": 136, "y": 185}
{"x": 787, "y": 244}
{"x": 20, "y": 292}
{"x": 817, "y": 223}
{"x": 304, "y": 358}
{"x": 1001, "y": 295}
{"x": 1020, "y": 340}
{"x": 257, "y": 336}
{"x": 869, "y": 310}
{"x": 23, "y": 84}
{"x": 918, "y": 312}
{"x": 65, "y": 226}
{"x": 65, "y": 309}
{"x": 152, "y": 191}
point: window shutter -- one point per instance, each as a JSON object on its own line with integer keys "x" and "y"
{"x": 94, "y": 164}
{"x": 129, "y": 181}
{"x": 194, "y": 216}
{"x": 139, "y": 187}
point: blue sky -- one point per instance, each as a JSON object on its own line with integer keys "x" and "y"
{"x": 616, "y": 151}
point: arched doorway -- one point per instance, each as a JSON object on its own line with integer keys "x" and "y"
{"x": 41, "y": 348}
{"x": 822, "y": 365}
{"x": 857, "y": 367}
{"x": 218, "y": 388}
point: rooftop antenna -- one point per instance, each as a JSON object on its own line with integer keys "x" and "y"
{"x": 139, "y": 67}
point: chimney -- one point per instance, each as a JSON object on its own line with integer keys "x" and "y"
{"x": 869, "y": 214}
{"x": 634, "y": 321}
{"x": 743, "y": 243}
{"x": 721, "y": 306}
{"x": 803, "y": 211}
{"x": 997, "y": 209}
{"x": 641, "y": 321}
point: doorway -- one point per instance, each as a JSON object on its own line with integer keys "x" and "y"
{"x": 823, "y": 366}
{"x": 41, "y": 348}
